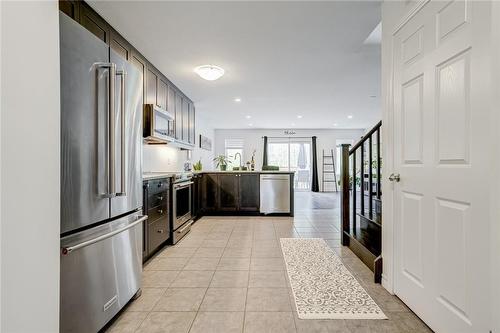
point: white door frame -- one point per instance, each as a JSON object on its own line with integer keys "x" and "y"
{"x": 394, "y": 16}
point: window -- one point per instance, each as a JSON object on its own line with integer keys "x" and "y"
{"x": 233, "y": 147}
{"x": 292, "y": 155}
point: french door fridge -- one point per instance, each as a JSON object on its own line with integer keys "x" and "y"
{"x": 101, "y": 180}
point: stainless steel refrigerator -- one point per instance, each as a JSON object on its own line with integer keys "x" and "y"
{"x": 101, "y": 180}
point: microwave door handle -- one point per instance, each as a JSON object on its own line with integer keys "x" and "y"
{"x": 122, "y": 75}
{"x": 111, "y": 119}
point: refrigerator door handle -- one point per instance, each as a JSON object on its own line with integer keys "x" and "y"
{"x": 111, "y": 125}
{"x": 68, "y": 249}
{"x": 123, "y": 186}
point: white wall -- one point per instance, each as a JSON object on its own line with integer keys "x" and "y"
{"x": 326, "y": 139}
{"x": 30, "y": 166}
{"x": 157, "y": 158}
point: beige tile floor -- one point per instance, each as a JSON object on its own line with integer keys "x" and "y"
{"x": 228, "y": 275}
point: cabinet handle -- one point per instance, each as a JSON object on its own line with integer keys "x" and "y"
{"x": 160, "y": 197}
{"x": 160, "y": 211}
{"x": 160, "y": 184}
{"x": 160, "y": 231}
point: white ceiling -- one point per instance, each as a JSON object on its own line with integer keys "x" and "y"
{"x": 282, "y": 59}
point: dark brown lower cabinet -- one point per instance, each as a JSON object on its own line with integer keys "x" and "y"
{"x": 209, "y": 185}
{"x": 249, "y": 192}
{"x": 196, "y": 196}
{"x": 228, "y": 193}
{"x": 156, "y": 202}
{"x": 232, "y": 192}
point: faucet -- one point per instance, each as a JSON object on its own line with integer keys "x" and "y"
{"x": 240, "y": 159}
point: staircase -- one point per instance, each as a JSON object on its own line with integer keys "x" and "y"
{"x": 361, "y": 208}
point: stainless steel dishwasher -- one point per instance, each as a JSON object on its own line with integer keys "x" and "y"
{"x": 274, "y": 193}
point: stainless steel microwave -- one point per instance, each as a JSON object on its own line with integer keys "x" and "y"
{"x": 158, "y": 125}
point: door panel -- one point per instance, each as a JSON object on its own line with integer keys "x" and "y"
{"x": 151, "y": 88}
{"x": 185, "y": 120}
{"x": 119, "y": 45}
{"x": 171, "y": 100}
{"x": 209, "y": 191}
{"x": 178, "y": 116}
{"x": 162, "y": 94}
{"x": 249, "y": 192}
{"x": 228, "y": 192}
{"x": 441, "y": 126}
{"x": 94, "y": 23}
{"x": 84, "y": 127}
{"x": 192, "y": 134}
{"x": 131, "y": 189}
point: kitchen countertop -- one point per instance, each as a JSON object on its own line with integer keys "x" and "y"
{"x": 156, "y": 175}
{"x": 245, "y": 171}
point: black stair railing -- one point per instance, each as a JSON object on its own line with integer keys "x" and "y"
{"x": 361, "y": 208}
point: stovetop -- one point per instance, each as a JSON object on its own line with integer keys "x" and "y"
{"x": 177, "y": 176}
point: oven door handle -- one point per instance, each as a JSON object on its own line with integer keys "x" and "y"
{"x": 183, "y": 185}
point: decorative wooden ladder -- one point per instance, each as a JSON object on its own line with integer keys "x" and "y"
{"x": 361, "y": 227}
{"x": 328, "y": 169}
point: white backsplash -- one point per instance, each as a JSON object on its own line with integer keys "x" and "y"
{"x": 158, "y": 158}
{"x": 161, "y": 158}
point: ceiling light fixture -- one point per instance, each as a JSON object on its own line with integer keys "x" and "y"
{"x": 250, "y": 125}
{"x": 209, "y": 72}
{"x": 299, "y": 116}
{"x": 335, "y": 124}
{"x": 349, "y": 117}
{"x": 237, "y": 99}
{"x": 248, "y": 116}
{"x": 293, "y": 124}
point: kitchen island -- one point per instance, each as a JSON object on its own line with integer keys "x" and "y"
{"x": 235, "y": 192}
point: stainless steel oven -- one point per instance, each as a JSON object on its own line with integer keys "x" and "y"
{"x": 181, "y": 206}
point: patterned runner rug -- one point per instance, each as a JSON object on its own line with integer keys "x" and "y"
{"x": 322, "y": 286}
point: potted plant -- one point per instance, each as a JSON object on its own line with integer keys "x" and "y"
{"x": 197, "y": 166}
{"x": 221, "y": 162}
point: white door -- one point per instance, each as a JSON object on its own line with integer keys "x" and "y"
{"x": 441, "y": 216}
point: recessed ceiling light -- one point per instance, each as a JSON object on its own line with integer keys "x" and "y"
{"x": 349, "y": 117}
{"x": 209, "y": 72}
{"x": 237, "y": 99}
{"x": 250, "y": 125}
{"x": 299, "y": 116}
{"x": 293, "y": 124}
{"x": 335, "y": 124}
{"x": 248, "y": 116}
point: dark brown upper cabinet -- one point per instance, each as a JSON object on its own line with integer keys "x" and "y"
{"x": 120, "y": 45}
{"x": 192, "y": 134}
{"x": 185, "y": 120}
{"x": 158, "y": 90}
{"x": 151, "y": 87}
{"x": 94, "y": 23}
{"x": 70, "y": 8}
{"x": 178, "y": 116}
{"x": 171, "y": 100}
{"x": 161, "y": 97}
